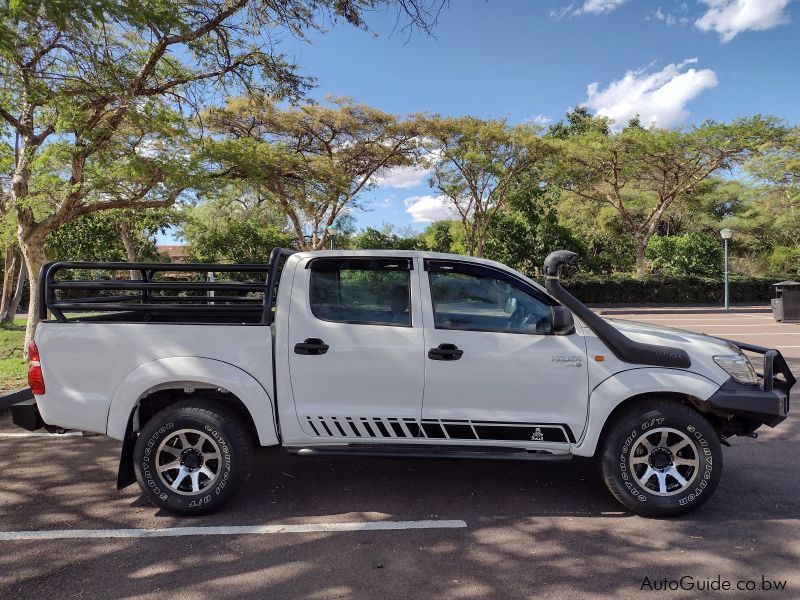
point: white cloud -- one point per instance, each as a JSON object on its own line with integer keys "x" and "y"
{"x": 559, "y": 13}
{"x": 539, "y": 119}
{"x": 597, "y": 7}
{"x": 426, "y": 209}
{"x": 401, "y": 177}
{"x": 731, "y": 17}
{"x": 658, "y": 98}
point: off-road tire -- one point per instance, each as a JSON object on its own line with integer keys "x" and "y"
{"x": 633, "y": 444}
{"x": 210, "y": 447}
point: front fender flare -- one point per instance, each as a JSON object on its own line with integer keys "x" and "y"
{"x": 636, "y": 382}
{"x": 190, "y": 371}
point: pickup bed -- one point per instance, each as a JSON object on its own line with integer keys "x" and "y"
{"x": 388, "y": 353}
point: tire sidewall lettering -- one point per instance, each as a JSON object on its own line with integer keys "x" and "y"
{"x": 628, "y": 441}
{"x": 157, "y": 488}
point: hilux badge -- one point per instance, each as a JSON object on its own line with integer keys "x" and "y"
{"x": 568, "y": 360}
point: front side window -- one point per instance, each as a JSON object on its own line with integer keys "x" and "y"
{"x": 349, "y": 292}
{"x": 477, "y": 302}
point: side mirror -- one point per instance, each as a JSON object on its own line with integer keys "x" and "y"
{"x": 563, "y": 323}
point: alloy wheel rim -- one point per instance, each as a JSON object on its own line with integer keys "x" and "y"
{"x": 664, "y": 461}
{"x": 188, "y": 462}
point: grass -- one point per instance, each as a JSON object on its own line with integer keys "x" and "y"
{"x": 13, "y": 368}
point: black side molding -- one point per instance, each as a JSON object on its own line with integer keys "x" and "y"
{"x": 624, "y": 348}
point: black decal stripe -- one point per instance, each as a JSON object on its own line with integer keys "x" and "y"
{"x": 366, "y": 425}
{"x": 398, "y": 429}
{"x": 433, "y": 430}
{"x": 353, "y": 427}
{"x": 339, "y": 427}
{"x": 413, "y": 427}
{"x": 527, "y": 433}
{"x": 325, "y": 425}
{"x": 310, "y": 422}
{"x": 381, "y": 427}
{"x": 459, "y": 432}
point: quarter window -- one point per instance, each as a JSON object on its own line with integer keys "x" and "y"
{"x": 346, "y": 292}
{"x": 484, "y": 303}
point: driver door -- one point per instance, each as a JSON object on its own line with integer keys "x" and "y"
{"x": 494, "y": 369}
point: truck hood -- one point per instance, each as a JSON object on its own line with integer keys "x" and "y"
{"x": 657, "y": 334}
{"x": 702, "y": 348}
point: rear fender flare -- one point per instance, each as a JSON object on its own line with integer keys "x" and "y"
{"x": 182, "y": 372}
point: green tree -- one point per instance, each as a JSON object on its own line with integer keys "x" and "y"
{"x": 233, "y": 223}
{"x": 689, "y": 254}
{"x": 524, "y": 234}
{"x": 314, "y": 161}
{"x": 98, "y": 236}
{"x": 237, "y": 241}
{"x": 440, "y": 237}
{"x": 476, "y": 163}
{"x": 386, "y": 238}
{"x": 641, "y": 173}
{"x": 778, "y": 170}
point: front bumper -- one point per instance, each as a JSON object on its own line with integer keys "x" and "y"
{"x": 766, "y": 402}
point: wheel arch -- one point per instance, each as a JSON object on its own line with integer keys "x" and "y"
{"x": 623, "y": 390}
{"x": 158, "y": 383}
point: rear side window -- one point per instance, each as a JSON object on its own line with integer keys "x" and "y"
{"x": 361, "y": 292}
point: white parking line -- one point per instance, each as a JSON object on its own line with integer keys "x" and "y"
{"x": 71, "y": 534}
{"x": 15, "y": 434}
{"x": 747, "y": 334}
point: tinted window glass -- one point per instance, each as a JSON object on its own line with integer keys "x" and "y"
{"x": 483, "y": 303}
{"x": 355, "y": 295}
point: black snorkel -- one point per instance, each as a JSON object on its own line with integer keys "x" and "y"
{"x": 622, "y": 346}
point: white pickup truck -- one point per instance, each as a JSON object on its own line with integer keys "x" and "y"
{"x": 383, "y": 353}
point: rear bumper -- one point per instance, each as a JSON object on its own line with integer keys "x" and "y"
{"x": 26, "y": 415}
{"x": 766, "y": 402}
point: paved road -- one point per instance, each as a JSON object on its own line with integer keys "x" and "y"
{"x": 509, "y": 530}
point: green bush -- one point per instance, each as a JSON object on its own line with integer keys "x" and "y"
{"x": 690, "y": 254}
{"x": 784, "y": 259}
{"x": 622, "y": 289}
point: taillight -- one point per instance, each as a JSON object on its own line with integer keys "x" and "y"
{"x": 35, "y": 378}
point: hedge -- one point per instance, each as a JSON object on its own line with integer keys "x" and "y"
{"x": 616, "y": 289}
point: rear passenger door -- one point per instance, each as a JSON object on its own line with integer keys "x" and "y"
{"x": 356, "y": 349}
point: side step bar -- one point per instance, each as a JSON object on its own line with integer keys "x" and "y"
{"x": 441, "y": 452}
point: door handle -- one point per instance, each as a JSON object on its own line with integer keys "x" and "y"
{"x": 312, "y": 347}
{"x": 445, "y": 352}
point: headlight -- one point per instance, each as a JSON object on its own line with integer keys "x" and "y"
{"x": 739, "y": 367}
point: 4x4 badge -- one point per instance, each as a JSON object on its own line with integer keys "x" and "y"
{"x": 537, "y": 436}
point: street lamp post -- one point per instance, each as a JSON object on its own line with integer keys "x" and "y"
{"x": 332, "y": 233}
{"x": 726, "y": 235}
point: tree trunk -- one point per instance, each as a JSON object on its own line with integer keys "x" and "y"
{"x": 130, "y": 246}
{"x": 8, "y": 282}
{"x": 32, "y": 244}
{"x": 640, "y": 247}
{"x": 18, "y": 291}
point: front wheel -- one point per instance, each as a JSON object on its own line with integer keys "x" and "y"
{"x": 661, "y": 459}
{"x": 191, "y": 456}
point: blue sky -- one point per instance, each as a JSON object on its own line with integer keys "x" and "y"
{"x": 674, "y": 62}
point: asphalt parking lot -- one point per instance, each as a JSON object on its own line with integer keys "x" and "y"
{"x": 439, "y": 530}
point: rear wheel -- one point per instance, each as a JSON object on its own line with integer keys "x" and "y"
{"x": 661, "y": 459}
{"x": 191, "y": 456}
